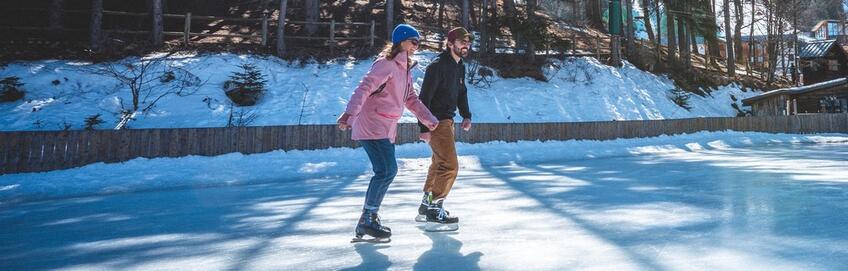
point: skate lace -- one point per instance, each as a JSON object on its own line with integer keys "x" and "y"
{"x": 442, "y": 214}
{"x": 376, "y": 220}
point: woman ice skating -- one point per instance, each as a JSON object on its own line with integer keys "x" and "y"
{"x": 373, "y": 113}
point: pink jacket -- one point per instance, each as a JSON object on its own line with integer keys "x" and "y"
{"x": 376, "y": 116}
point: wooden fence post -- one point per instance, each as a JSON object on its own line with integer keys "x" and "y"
{"x": 158, "y": 25}
{"x": 264, "y": 29}
{"x": 598, "y": 48}
{"x": 186, "y": 34}
{"x": 371, "y": 36}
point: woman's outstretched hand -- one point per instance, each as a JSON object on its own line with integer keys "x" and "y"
{"x": 342, "y": 121}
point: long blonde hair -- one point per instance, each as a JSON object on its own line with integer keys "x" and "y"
{"x": 392, "y": 50}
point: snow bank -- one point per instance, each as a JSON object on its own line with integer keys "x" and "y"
{"x": 63, "y": 93}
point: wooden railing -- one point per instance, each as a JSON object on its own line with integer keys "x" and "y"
{"x": 34, "y": 151}
{"x": 331, "y": 40}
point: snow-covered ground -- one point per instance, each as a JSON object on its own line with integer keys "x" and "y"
{"x": 581, "y": 89}
{"x": 707, "y": 201}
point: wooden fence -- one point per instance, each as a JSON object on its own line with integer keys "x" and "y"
{"x": 35, "y": 151}
{"x": 332, "y": 40}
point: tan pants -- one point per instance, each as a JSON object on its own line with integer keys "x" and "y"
{"x": 444, "y": 166}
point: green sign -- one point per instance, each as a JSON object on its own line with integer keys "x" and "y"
{"x": 615, "y": 17}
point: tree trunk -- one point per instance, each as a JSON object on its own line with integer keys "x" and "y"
{"x": 95, "y": 28}
{"x": 475, "y": 19}
{"x": 281, "y": 29}
{"x": 728, "y": 46}
{"x": 579, "y": 11}
{"x": 465, "y": 15}
{"x": 312, "y": 10}
{"x": 795, "y": 61}
{"x": 659, "y": 30}
{"x": 483, "y": 27}
{"x": 646, "y": 14}
{"x": 157, "y": 23}
{"x": 693, "y": 39}
{"x": 594, "y": 14}
{"x": 683, "y": 41}
{"x": 390, "y": 15}
{"x": 714, "y": 50}
{"x": 672, "y": 37}
{"x": 531, "y": 17}
{"x": 441, "y": 13}
{"x": 630, "y": 45}
{"x": 752, "y": 48}
{"x": 493, "y": 32}
{"x": 55, "y": 16}
{"x": 737, "y": 31}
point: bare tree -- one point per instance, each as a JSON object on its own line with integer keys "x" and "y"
{"x": 241, "y": 117}
{"x": 145, "y": 84}
{"x": 737, "y": 30}
{"x": 281, "y": 29}
{"x": 731, "y": 65}
{"x": 646, "y": 16}
{"x": 778, "y": 15}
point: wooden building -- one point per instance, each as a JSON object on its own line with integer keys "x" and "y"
{"x": 829, "y": 30}
{"x": 825, "y": 97}
{"x": 822, "y": 61}
{"x": 754, "y": 50}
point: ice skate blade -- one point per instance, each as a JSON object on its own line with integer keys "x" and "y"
{"x": 436, "y": 227}
{"x": 421, "y": 218}
{"x": 370, "y": 240}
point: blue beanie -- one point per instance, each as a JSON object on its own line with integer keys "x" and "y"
{"x": 403, "y": 32}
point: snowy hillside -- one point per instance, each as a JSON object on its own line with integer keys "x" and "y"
{"x": 62, "y": 93}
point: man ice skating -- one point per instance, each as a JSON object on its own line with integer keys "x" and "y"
{"x": 443, "y": 91}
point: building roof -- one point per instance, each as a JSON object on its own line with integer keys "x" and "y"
{"x": 822, "y": 22}
{"x": 798, "y": 90}
{"x": 816, "y": 49}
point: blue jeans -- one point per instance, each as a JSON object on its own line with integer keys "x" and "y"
{"x": 382, "y": 155}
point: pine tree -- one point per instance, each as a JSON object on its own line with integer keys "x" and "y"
{"x": 250, "y": 80}
{"x": 244, "y": 88}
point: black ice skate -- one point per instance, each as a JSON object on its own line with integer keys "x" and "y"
{"x": 422, "y": 208}
{"x": 438, "y": 219}
{"x": 369, "y": 224}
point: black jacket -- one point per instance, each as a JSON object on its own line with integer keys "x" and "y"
{"x": 444, "y": 89}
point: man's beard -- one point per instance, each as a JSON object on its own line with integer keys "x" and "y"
{"x": 460, "y": 52}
